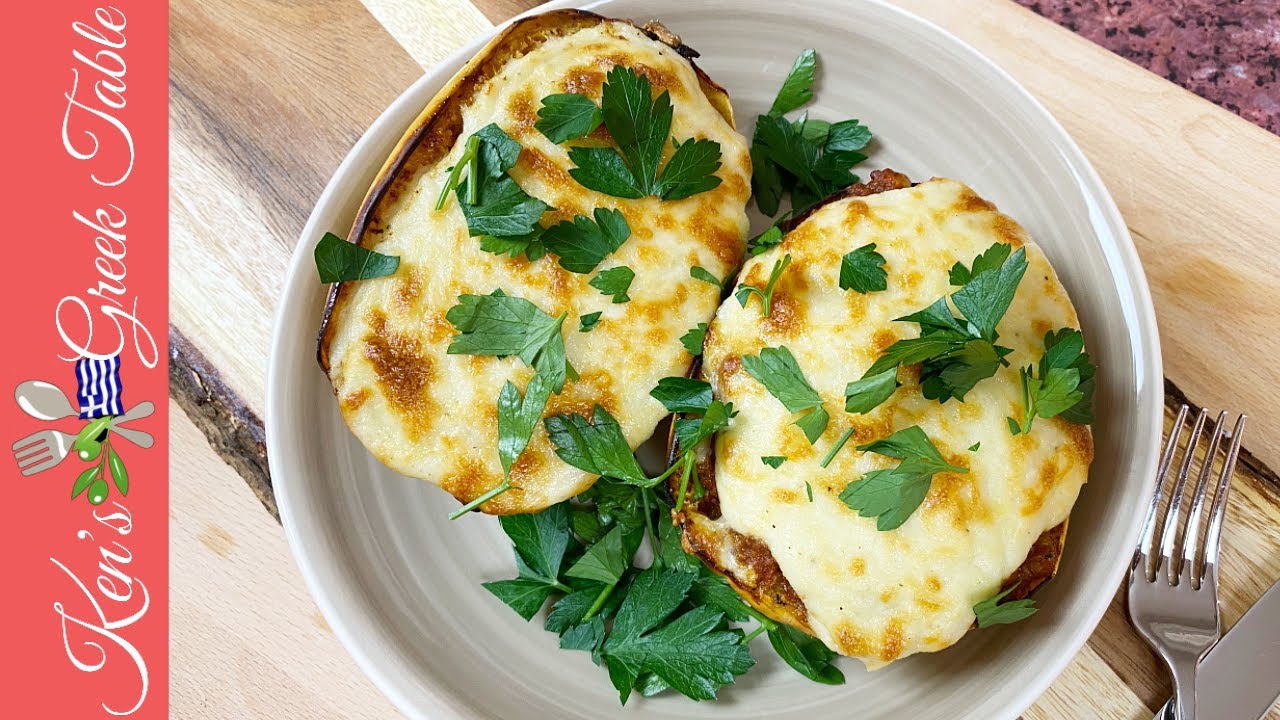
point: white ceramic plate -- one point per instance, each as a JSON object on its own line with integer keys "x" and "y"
{"x": 400, "y": 585}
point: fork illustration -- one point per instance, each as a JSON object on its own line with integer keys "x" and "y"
{"x": 45, "y": 449}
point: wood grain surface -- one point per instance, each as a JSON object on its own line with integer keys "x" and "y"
{"x": 266, "y": 99}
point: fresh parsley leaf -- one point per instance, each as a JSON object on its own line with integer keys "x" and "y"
{"x": 893, "y": 494}
{"x": 517, "y": 418}
{"x": 813, "y": 130}
{"x": 797, "y": 88}
{"x": 588, "y": 636}
{"x": 694, "y": 339}
{"x": 502, "y": 325}
{"x": 491, "y": 201}
{"x": 906, "y": 443}
{"x": 541, "y": 540}
{"x": 340, "y": 261}
{"x": 863, "y": 270}
{"x": 1063, "y": 384}
{"x": 697, "y": 272}
{"x": 690, "y": 170}
{"x": 773, "y": 461}
{"x": 777, "y": 370}
{"x": 974, "y": 447}
{"x": 468, "y": 159}
{"x": 990, "y": 259}
{"x": 846, "y": 138}
{"x": 614, "y": 281}
{"x": 640, "y": 125}
{"x": 986, "y": 297}
{"x": 964, "y": 367}
{"x": 567, "y": 116}
{"x": 682, "y": 394}
{"x": 596, "y": 446}
{"x": 689, "y": 653}
{"x": 806, "y": 655}
{"x": 766, "y": 178}
{"x": 863, "y": 396}
{"x": 526, "y": 597}
{"x": 713, "y": 591}
{"x": 587, "y": 322}
{"x": 670, "y": 552}
{"x": 602, "y": 169}
{"x": 690, "y": 432}
{"x": 992, "y": 612}
{"x": 765, "y": 240}
{"x": 831, "y": 454}
{"x": 790, "y": 151}
{"x": 745, "y": 291}
{"x": 605, "y": 561}
{"x": 570, "y": 610}
{"x": 584, "y": 243}
{"x": 531, "y": 245}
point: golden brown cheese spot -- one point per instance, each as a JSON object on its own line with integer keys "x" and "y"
{"x": 1008, "y": 231}
{"x": 735, "y": 184}
{"x": 582, "y": 395}
{"x": 435, "y": 328}
{"x": 933, "y": 583}
{"x": 522, "y": 110}
{"x": 883, "y": 338}
{"x": 1035, "y": 495}
{"x": 870, "y": 427}
{"x": 786, "y": 314}
{"x": 858, "y": 567}
{"x": 782, "y": 495}
{"x": 795, "y": 446}
{"x": 1041, "y": 326}
{"x": 1079, "y": 448}
{"x": 404, "y": 373}
{"x": 891, "y": 643}
{"x": 664, "y": 221}
{"x": 970, "y": 201}
{"x": 852, "y": 642}
{"x": 471, "y": 480}
{"x": 408, "y": 290}
{"x": 911, "y": 280}
{"x": 543, "y": 168}
{"x": 730, "y": 366}
{"x": 956, "y": 495}
{"x": 660, "y": 78}
{"x": 529, "y": 467}
{"x": 887, "y": 594}
{"x": 353, "y": 401}
{"x": 584, "y": 80}
{"x": 854, "y": 213}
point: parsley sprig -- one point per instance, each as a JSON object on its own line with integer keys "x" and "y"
{"x": 893, "y": 494}
{"x": 993, "y": 612}
{"x": 1061, "y": 385}
{"x": 699, "y": 416}
{"x": 777, "y": 369}
{"x": 500, "y": 325}
{"x": 340, "y": 261}
{"x": 640, "y": 125}
{"x": 805, "y": 158}
{"x": 745, "y": 291}
{"x": 955, "y": 352}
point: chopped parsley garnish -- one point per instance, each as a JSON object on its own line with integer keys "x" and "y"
{"x": 697, "y": 272}
{"x": 587, "y": 322}
{"x": 640, "y": 125}
{"x": 777, "y": 370}
{"x": 992, "y": 258}
{"x": 773, "y": 461}
{"x": 765, "y": 240}
{"x": 517, "y": 418}
{"x": 567, "y": 116}
{"x": 688, "y": 397}
{"x": 863, "y": 270}
{"x": 831, "y": 454}
{"x": 596, "y": 446}
{"x": 584, "y": 243}
{"x": 808, "y": 655}
{"x": 490, "y": 199}
{"x": 614, "y": 281}
{"x": 340, "y": 261}
{"x": 1061, "y": 385}
{"x": 863, "y": 396}
{"x": 958, "y": 352}
{"x": 992, "y": 612}
{"x": 974, "y": 447}
{"x": 891, "y": 495}
{"x": 694, "y": 339}
{"x": 745, "y": 291}
{"x": 806, "y": 158}
{"x": 502, "y": 325}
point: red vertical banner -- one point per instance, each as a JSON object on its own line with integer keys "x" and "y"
{"x": 83, "y": 380}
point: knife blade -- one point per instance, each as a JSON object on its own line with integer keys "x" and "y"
{"x": 1237, "y": 680}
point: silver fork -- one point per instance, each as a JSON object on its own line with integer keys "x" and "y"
{"x": 1173, "y": 589}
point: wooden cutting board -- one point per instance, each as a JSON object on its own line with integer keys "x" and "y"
{"x": 266, "y": 99}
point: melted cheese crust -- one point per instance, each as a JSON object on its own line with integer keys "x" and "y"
{"x": 432, "y": 415}
{"x": 874, "y": 595}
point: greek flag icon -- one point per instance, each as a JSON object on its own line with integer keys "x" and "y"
{"x": 98, "y": 387}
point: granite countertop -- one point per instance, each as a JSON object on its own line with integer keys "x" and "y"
{"x": 1226, "y": 51}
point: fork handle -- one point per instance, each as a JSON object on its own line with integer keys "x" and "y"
{"x": 1184, "y": 688}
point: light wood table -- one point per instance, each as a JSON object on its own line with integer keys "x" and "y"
{"x": 267, "y": 97}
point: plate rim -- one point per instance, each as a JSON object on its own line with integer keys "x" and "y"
{"x": 1149, "y": 389}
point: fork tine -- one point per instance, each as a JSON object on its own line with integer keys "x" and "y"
{"x": 1174, "y": 513}
{"x": 1218, "y": 514}
{"x": 32, "y": 459}
{"x": 25, "y": 442}
{"x": 1147, "y": 545}
{"x": 38, "y": 449}
{"x": 40, "y": 467}
{"x": 1191, "y": 536}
